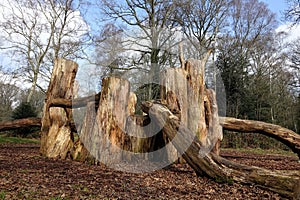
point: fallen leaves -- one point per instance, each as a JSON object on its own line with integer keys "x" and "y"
{"x": 26, "y": 175}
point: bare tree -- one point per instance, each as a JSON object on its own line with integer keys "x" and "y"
{"x": 250, "y": 20}
{"x": 293, "y": 12}
{"x": 149, "y": 29}
{"x": 202, "y": 21}
{"x": 38, "y": 32}
{"x": 9, "y": 94}
{"x": 109, "y": 49}
{"x": 294, "y": 57}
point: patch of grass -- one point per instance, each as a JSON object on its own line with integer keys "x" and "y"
{"x": 17, "y": 140}
{"x": 2, "y": 195}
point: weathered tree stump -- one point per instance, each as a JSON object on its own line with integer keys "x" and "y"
{"x": 183, "y": 91}
{"x": 56, "y": 134}
{"x": 113, "y": 133}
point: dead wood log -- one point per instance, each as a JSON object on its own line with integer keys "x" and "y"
{"x": 20, "y": 123}
{"x": 112, "y": 132}
{"x": 75, "y": 103}
{"x": 286, "y": 183}
{"x": 284, "y": 135}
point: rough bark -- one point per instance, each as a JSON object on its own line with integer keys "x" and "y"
{"x": 112, "y": 132}
{"x": 183, "y": 91}
{"x": 215, "y": 132}
{"x": 215, "y": 167}
{"x": 56, "y": 131}
{"x": 103, "y": 132}
{"x": 195, "y": 96}
{"x": 174, "y": 94}
{"x": 286, "y": 136}
{"x": 20, "y": 123}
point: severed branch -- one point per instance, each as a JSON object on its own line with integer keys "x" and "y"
{"x": 286, "y": 183}
{"x": 75, "y": 103}
{"x": 284, "y": 135}
{"x": 58, "y": 102}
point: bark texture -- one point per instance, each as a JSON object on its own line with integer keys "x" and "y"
{"x": 183, "y": 91}
{"x": 56, "y": 132}
{"x": 103, "y": 132}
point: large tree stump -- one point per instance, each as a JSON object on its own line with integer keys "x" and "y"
{"x": 56, "y": 134}
{"x": 113, "y": 133}
{"x": 104, "y": 130}
{"x": 183, "y": 91}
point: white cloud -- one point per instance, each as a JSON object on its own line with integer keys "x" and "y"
{"x": 293, "y": 32}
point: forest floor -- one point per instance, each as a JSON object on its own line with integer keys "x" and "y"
{"x": 24, "y": 174}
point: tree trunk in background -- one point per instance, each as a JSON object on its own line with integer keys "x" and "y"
{"x": 56, "y": 134}
{"x": 286, "y": 183}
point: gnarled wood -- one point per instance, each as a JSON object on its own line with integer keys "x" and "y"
{"x": 20, "y": 123}
{"x": 183, "y": 92}
{"x": 56, "y": 131}
{"x": 103, "y": 131}
{"x": 284, "y": 135}
{"x": 213, "y": 166}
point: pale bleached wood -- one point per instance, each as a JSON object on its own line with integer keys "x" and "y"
{"x": 56, "y": 131}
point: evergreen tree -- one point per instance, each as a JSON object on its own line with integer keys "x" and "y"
{"x": 24, "y": 110}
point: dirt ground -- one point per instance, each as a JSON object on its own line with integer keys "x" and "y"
{"x": 24, "y": 174}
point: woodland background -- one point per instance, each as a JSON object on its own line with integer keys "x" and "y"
{"x": 254, "y": 67}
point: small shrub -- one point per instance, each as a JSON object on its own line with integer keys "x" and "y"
{"x": 24, "y": 110}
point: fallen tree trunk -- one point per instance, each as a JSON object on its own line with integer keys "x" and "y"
{"x": 284, "y": 135}
{"x": 286, "y": 183}
{"x": 20, "y": 123}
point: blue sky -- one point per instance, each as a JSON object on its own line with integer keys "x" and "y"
{"x": 277, "y": 6}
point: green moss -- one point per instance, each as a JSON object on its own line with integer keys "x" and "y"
{"x": 221, "y": 179}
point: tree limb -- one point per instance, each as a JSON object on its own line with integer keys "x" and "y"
{"x": 75, "y": 103}
{"x": 284, "y": 135}
{"x": 20, "y": 123}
